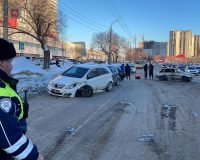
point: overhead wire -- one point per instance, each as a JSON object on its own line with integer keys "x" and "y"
{"x": 82, "y": 16}
{"x": 116, "y": 14}
{"x": 79, "y": 18}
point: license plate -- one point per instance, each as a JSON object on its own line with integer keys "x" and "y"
{"x": 55, "y": 91}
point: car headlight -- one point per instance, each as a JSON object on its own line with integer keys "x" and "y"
{"x": 75, "y": 85}
{"x": 70, "y": 86}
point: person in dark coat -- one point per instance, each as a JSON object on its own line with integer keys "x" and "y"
{"x": 14, "y": 144}
{"x": 145, "y": 70}
{"x": 128, "y": 71}
{"x": 57, "y": 62}
{"x": 122, "y": 67}
{"x": 151, "y": 67}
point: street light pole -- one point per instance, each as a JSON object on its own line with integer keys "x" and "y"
{"x": 135, "y": 37}
{"x": 110, "y": 49}
{"x": 5, "y": 19}
{"x": 110, "y": 45}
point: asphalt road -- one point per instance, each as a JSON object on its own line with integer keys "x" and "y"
{"x": 138, "y": 120}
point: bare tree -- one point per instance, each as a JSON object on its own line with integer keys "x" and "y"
{"x": 102, "y": 41}
{"x": 135, "y": 54}
{"x": 118, "y": 43}
{"x": 41, "y": 23}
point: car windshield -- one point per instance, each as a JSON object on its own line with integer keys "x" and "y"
{"x": 132, "y": 66}
{"x": 191, "y": 67}
{"x": 77, "y": 72}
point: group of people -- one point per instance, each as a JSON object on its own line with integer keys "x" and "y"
{"x": 127, "y": 70}
{"x": 149, "y": 67}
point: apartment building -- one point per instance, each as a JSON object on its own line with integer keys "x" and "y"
{"x": 196, "y": 45}
{"x": 181, "y": 42}
{"x": 75, "y": 50}
{"x": 153, "y": 48}
{"x": 26, "y": 44}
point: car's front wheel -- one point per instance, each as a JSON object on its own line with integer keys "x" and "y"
{"x": 185, "y": 79}
{"x": 86, "y": 91}
{"x": 163, "y": 78}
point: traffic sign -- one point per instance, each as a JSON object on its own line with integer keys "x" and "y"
{"x": 21, "y": 45}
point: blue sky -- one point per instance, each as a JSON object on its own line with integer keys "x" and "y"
{"x": 154, "y": 18}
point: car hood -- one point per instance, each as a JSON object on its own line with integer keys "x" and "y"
{"x": 66, "y": 80}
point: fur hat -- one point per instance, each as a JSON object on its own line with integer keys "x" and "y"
{"x": 7, "y": 50}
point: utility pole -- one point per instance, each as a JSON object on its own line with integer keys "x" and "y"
{"x": 62, "y": 53}
{"x": 110, "y": 46}
{"x": 142, "y": 36}
{"x": 5, "y": 19}
{"x": 135, "y": 38}
{"x": 110, "y": 41}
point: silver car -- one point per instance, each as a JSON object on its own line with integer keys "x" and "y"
{"x": 173, "y": 74}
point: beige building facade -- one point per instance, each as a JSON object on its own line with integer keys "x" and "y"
{"x": 181, "y": 42}
{"x": 196, "y": 45}
{"x": 75, "y": 50}
{"x": 30, "y": 46}
{"x": 94, "y": 54}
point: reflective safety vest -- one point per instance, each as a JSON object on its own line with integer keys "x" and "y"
{"x": 7, "y": 91}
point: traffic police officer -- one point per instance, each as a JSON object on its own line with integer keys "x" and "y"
{"x": 13, "y": 142}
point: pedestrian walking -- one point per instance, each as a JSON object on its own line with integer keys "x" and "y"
{"x": 151, "y": 67}
{"x": 13, "y": 113}
{"x": 145, "y": 70}
{"x": 128, "y": 71}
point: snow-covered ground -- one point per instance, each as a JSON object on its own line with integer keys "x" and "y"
{"x": 33, "y": 77}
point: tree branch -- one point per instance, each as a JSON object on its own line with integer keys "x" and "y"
{"x": 24, "y": 32}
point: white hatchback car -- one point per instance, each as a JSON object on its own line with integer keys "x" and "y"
{"x": 81, "y": 80}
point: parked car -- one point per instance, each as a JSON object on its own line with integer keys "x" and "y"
{"x": 182, "y": 67}
{"x": 198, "y": 68}
{"x": 81, "y": 80}
{"x": 121, "y": 73}
{"x": 133, "y": 68}
{"x": 173, "y": 74}
{"x": 74, "y": 61}
{"x": 191, "y": 70}
{"x": 38, "y": 61}
{"x": 115, "y": 74}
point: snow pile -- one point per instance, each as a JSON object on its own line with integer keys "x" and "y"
{"x": 147, "y": 138}
{"x": 32, "y": 77}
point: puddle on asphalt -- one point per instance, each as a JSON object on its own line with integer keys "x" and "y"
{"x": 168, "y": 115}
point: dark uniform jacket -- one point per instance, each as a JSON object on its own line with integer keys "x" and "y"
{"x": 13, "y": 142}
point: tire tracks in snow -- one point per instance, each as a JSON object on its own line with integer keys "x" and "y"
{"x": 110, "y": 116}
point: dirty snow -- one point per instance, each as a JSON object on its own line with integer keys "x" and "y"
{"x": 33, "y": 77}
